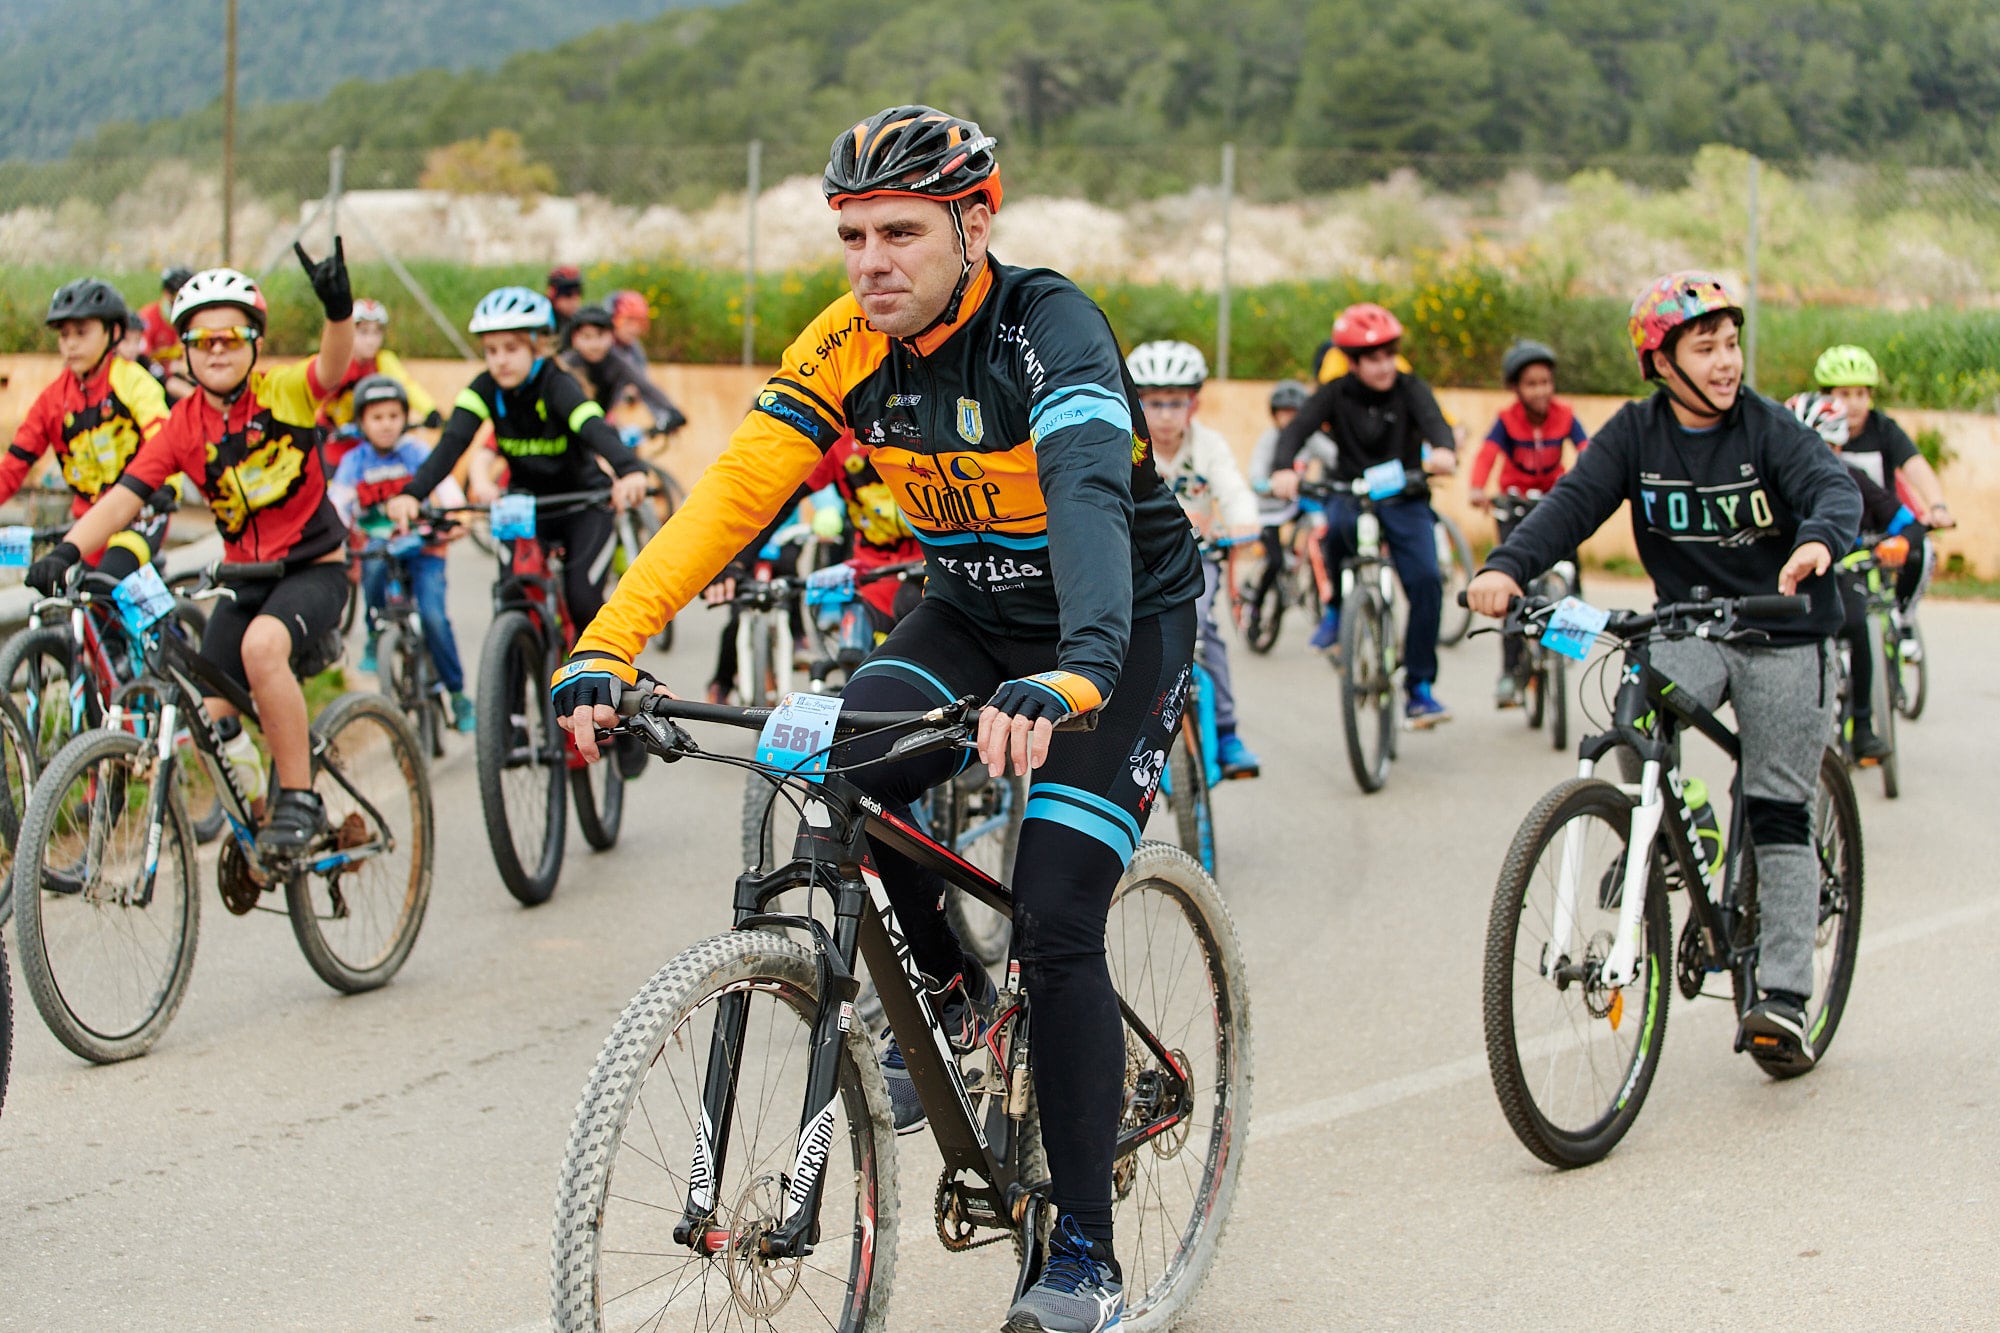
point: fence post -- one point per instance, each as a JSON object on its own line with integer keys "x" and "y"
{"x": 1750, "y": 281}
{"x": 750, "y": 254}
{"x": 336, "y": 177}
{"x": 228, "y": 133}
{"x": 1222, "y": 303}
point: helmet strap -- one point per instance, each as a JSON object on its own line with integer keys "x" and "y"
{"x": 949, "y": 315}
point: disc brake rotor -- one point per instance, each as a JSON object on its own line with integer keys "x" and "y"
{"x": 760, "y": 1286}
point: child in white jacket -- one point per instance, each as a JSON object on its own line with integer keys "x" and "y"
{"x": 1198, "y": 464}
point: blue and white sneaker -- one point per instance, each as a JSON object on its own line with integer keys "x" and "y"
{"x": 1236, "y": 758}
{"x": 1078, "y": 1292}
{"x": 1424, "y": 709}
{"x": 960, "y": 1016}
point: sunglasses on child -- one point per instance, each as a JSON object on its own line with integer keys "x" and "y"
{"x": 219, "y": 340}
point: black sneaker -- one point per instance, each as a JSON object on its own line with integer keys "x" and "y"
{"x": 1868, "y": 747}
{"x": 296, "y": 822}
{"x": 960, "y": 1017}
{"x": 1774, "y": 1029}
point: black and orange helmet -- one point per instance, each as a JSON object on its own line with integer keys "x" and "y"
{"x": 913, "y": 150}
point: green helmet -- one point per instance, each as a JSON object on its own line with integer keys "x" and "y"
{"x": 1847, "y": 366}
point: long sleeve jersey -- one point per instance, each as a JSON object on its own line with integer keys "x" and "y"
{"x": 1368, "y": 426}
{"x": 95, "y": 427}
{"x": 1722, "y": 508}
{"x": 1205, "y": 479}
{"x": 607, "y": 380}
{"x": 549, "y": 433}
{"x": 1013, "y": 442}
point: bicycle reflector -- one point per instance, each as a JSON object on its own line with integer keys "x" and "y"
{"x": 1891, "y": 552}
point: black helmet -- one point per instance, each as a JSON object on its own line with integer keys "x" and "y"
{"x": 380, "y": 389}
{"x": 912, "y": 150}
{"x": 590, "y": 316}
{"x": 174, "y": 277}
{"x": 1289, "y": 394}
{"x": 89, "y": 298}
{"x": 1523, "y": 354}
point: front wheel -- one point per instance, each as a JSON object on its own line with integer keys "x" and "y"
{"x": 18, "y": 766}
{"x": 1178, "y": 970}
{"x": 521, "y": 759}
{"x": 598, "y": 792}
{"x": 1883, "y": 705}
{"x": 106, "y": 956}
{"x": 1912, "y": 673}
{"x": 1572, "y": 1058}
{"x": 1837, "y": 936}
{"x": 1455, "y": 565}
{"x": 35, "y": 671}
{"x": 643, "y": 1151}
{"x": 1367, "y": 687}
{"x": 986, "y": 830}
{"x": 357, "y": 919}
{"x": 1263, "y": 605}
{"x": 1558, "y": 688}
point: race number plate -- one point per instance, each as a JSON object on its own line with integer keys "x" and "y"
{"x": 513, "y": 518}
{"x": 1573, "y": 628}
{"x": 143, "y": 599}
{"x": 797, "y": 734}
{"x": 1387, "y": 480}
{"x": 16, "y": 547}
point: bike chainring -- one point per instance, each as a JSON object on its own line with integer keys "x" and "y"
{"x": 962, "y": 1214}
{"x": 238, "y": 882}
{"x": 1691, "y": 959}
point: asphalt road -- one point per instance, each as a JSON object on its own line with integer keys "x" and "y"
{"x": 287, "y": 1158}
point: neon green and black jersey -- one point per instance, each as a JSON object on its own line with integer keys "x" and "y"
{"x": 549, "y": 432}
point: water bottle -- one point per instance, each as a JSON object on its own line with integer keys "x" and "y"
{"x": 246, "y": 765}
{"x": 1708, "y": 830}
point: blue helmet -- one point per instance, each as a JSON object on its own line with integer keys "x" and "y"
{"x": 513, "y": 310}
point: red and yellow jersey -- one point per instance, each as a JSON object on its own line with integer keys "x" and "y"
{"x": 258, "y": 464}
{"x": 1012, "y": 443}
{"x": 94, "y": 426}
{"x": 339, "y": 409}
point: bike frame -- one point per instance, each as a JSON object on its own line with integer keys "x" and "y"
{"x": 839, "y": 822}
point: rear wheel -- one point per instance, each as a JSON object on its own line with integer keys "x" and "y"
{"x": 986, "y": 830}
{"x": 1572, "y": 1058}
{"x": 1912, "y": 672}
{"x": 1188, "y": 795}
{"x": 357, "y": 922}
{"x": 408, "y": 674}
{"x": 1883, "y": 705}
{"x": 18, "y": 767}
{"x": 106, "y": 960}
{"x": 35, "y": 667}
{"x": 1455, "y": 565}
{"x": 1263, "y": 604}
{"x": 521, "y": 760}
{"x": 1367, "y": 687}
{"x": 598, "y": 792}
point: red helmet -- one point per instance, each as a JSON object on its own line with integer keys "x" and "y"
{"x": 630, "y": 305}
{"x": 1364, "y": 326}
{"x": 565, "y": 280}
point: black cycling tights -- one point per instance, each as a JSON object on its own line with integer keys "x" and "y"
{"x": 1086, "y": 808}
{"x": 585, "y": 536}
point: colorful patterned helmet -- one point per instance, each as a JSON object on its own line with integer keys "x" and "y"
{"x": 1167, "y": 365}
{"x": 367, "y": 311}
{"x": 1846, "y": 366}
{"x": 1523, "y": 354}
{"x": 1823, "y": 413}
{"x": 512, "y": 310}
{"x": 1670, "y": 302}
{"x": 220, "y": 286}
{"x": 912, "y": 150}
{"x": 1365, "y": 326}
{"x": 1289, "y": 394}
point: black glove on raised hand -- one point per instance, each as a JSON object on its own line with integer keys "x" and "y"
{"x": 47, "y": 574}
{"x": 329, "y": 281}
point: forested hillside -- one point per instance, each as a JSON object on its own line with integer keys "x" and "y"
{"x": 1917, "y": 80}
{"x": 70, "y": 66}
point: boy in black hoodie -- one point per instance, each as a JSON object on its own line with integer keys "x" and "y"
{"x": 1731, "y": 492}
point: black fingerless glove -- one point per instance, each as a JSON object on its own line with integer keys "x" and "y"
{"x": 47, "y": 574}
{"x": 329, "y": 281}
{"x": 1055, "y": 695}
{"x": 590, "y": 678}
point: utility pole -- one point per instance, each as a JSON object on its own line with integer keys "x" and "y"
{"x": 228, "y": 130}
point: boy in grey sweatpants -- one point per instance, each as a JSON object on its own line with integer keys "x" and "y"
{"x": 1729, "y": 492}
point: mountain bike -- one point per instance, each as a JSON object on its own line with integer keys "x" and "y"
{"x": 1370, "y": 662}
{"x": 406, "y": 670}
{"x": 632, "y": 528}
{"x": 105, "y": 892}
{"x": 1577, "y": 967}
{"x": 1291, "y": 572}
{"x": 1456, "y": 567}
{"x": 733, "y": 1156}
{"x": 1875, "y": 566}
{"x": 1543, "y": 675}
{"x": 524, "y": 760}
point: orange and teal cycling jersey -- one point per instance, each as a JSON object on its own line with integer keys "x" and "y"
{"x": 95, "y": 427}
{"x": 1011, "y": 440}
{"x": 258, "y": 464}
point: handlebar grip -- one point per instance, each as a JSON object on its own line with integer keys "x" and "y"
{"x": 250, "y": 573}
{"x": 1461, "y": 598}
{"x": 1768, "y": 606}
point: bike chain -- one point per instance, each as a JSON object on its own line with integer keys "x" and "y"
{"x": 955, "y": 1230}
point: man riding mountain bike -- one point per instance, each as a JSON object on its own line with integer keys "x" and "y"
{"x": 1063, "y": 578}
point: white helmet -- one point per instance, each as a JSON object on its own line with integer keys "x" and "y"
{"x": 1823, "y": 413}
{"x": 220, "y": 286}
{"x": 1167, "y": 365}
{"x": 513, "y": 310}
{"x": 367, "y": 311}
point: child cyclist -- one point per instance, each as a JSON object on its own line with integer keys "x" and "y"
{"x": 371, "y": 330}
{"x": 361, "y": 486}
{"x": 1197, "y": 465}
{"x": 1729, "y": 492}
{"x": 1526, "y": 442}
{"x": 249, "y": 439}
{"x": 1879, "y": 449}
{"x": 1378, "y": 413}
{"x": 94, "y": 415}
